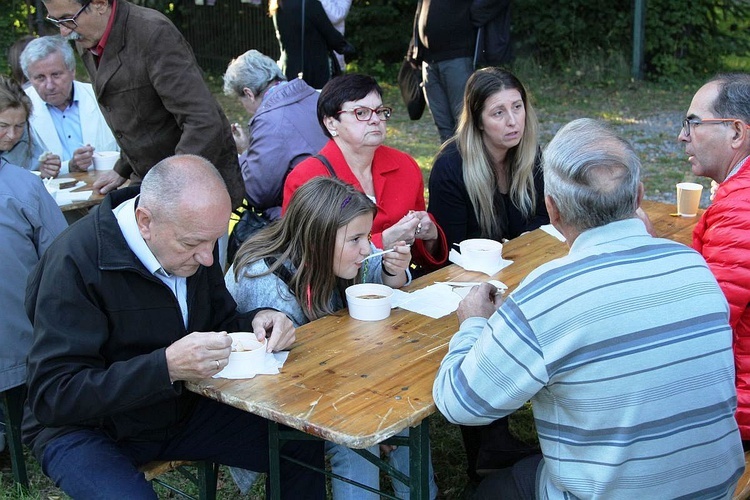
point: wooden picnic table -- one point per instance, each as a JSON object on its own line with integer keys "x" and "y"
{"x": 88, "y": 177}
{"x": 359, "y": 383}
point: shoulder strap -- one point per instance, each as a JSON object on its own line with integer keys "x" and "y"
{"x": 302, "y": 43}
{"x": 281, "y": 272}
{"x": 322, "y": 159}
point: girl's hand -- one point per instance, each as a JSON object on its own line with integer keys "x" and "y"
{"x": 395, "y": 264}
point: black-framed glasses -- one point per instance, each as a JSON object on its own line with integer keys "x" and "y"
{"x": 694, "y": 122}
{"x": 70, "y": 22}
{"x": 363, "y": 113}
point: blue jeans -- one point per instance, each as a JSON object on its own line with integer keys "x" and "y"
{"x": 444, "y": 83}
{"x": 87, "y": 463}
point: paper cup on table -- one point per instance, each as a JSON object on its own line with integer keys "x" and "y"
{"x": 105, "y": 160}
{"x": 369, "y": 301}
{"x": 248, "y": 356}
{"x": 479, "y": 254}
{"x": 688, "y": 198}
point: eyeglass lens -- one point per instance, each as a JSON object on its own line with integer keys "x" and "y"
{"x": 364, "y": 114}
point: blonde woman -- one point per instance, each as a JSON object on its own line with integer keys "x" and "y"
{"x": 486, "y": 181}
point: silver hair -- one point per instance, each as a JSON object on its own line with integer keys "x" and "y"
{"x": 42, "y": 47}
{"x": 165, "y": 185}
{"x": 252, "y": 70}
{"x": 592, "y": 174}
{"x": 733, "y": 100}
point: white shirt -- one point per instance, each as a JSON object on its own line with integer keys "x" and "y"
{"x": 125, "y": 214}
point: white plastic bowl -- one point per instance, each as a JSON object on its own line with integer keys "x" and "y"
{"x": 105, "y": 160}
{"x": 247, "y": 358}
{"x": 479, "y": 254}
{"x": 369, "y": 301}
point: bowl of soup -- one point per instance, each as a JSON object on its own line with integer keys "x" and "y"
{"x": 369, "y": 301}
{"x": 105, "y": 160}
{"x": 479, "y": 254}
{"x": 248, "y": 356}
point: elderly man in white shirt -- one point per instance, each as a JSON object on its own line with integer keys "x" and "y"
{"x": 66, "y": 119}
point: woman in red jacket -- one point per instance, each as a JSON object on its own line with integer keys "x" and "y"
{"x": 351, "y": 113}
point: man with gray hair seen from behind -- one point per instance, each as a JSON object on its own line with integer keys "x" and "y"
{"x": 66, "y": 117}
{"x": 283, "y": 129}
{"x": 623, "y": 347}
{"x": 716, "y": 134}
{"x": 127, "y": 305}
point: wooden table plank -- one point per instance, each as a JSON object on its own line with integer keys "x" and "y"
{"x": 88, "y": 177}
{"x": 357, "y": 383}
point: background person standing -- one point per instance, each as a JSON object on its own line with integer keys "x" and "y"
{"x": 149, "y": 87}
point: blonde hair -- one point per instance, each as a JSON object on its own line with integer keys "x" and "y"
{"x": 478, "y": 171}
{"x": 305, "y": 237}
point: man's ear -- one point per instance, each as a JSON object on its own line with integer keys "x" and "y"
{"x": 100, "y": 6}
{"x": 144, "y": 219}
{"x": 741, "y": 135}
{"x": 641, "y": 191}
{"x": 552, "y": 210}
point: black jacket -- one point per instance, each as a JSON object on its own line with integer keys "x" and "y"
{"x": 447, "y": 29}
{"x": 320, "y": 38}
{"x": 102, "y": 324}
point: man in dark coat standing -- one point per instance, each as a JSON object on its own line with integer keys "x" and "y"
{"x": 447, "y": 44}
{"x": 149, "y": 88}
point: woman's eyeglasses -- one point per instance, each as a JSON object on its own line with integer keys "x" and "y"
{"x": 363, "y": 113}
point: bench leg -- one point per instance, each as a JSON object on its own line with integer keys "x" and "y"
{"x": 419, "y": 455}
{"x": 12, "y": 401}
{"x": 207, "y": 477}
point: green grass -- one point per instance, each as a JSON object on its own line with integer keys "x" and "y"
{"x": 647, "y": 114}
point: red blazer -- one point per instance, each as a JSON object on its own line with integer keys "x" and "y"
{"x": 722, "y": 236}
{"x": 399, "y": 187}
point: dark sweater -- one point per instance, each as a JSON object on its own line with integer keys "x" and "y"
{"x": 453, "y": 211}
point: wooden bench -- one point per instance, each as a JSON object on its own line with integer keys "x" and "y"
{"x": 205, "y": 478}
{"x": 742, "y": 492}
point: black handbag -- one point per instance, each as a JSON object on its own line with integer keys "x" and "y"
{"x": 250, "y": 222}
{"x": 410, "y": 84}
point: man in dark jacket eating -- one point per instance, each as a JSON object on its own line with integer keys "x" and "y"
{"x": 126, "y": 305}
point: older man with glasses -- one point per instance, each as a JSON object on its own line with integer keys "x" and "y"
{"x": 722, "y": 153}
{"x": 150, "y": 89}
{"x": 66, "y": 117}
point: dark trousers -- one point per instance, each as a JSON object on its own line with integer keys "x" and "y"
{"x": 518, "y": 482}
{"x": 492, "y": 447}
{"x": 88, "y": 464}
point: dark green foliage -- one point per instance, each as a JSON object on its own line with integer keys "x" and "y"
{"x": 380, "y": 31}
{"x": 15, "y": 18}
{"x": 683, "y": 39}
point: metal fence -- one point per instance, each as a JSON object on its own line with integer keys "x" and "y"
{"x": 223, "y": 29}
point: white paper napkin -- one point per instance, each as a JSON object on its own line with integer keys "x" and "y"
{"x": 436, "y": 300}
{"x": 273, "y": 363}
{"x": 67, "y": 196}
{"x": 457, "y": 259}
{"x": 550, "y": 229}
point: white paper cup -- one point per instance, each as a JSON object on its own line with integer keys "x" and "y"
{"x": 688, "y": 198}
{"x": 480, "y": 254}
{"x": 369, "y": 301}
{"x": 248, "y": 356}
{"x": 105, "y": 160}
